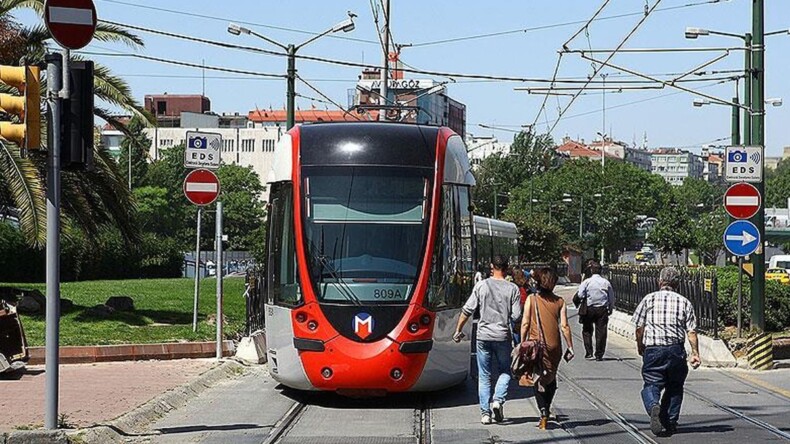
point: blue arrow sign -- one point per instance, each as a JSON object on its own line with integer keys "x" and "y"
{"x": 741, "y": 238}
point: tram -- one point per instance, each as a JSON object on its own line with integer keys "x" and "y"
{"x": 370, "y": 257}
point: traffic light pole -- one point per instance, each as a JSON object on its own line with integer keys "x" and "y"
{"x": 758, "y": 138}
{"x": 57, "y": 91}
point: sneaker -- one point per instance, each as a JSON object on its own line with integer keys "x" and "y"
{"x": 499, "y": 411}
{"x": 599, "y": 358}
{"x": 589, "y": 357}
{"x": 655, "y": 420}
{"x": 486, "y": 419}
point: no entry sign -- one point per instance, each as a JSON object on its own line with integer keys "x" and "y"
{"x": 201, "y": 187}
{"x": 742, "y": 200}
{"x": 71, "y": 22}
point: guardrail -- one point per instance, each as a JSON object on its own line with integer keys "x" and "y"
{"x": 255, "y": 299}
{"x": 700, "y": 286}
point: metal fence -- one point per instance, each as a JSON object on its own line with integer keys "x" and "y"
{"x": 255, "y": 298}
{"x": 700, "y": 286}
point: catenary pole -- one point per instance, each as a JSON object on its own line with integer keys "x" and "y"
{"x": 197, "y": 272}
{"x": 758, "y": 138}
{"x": 291, "y": 99}
{"x": 55, "y": 69}
{"x": 385, "y": 74}
{"x": 219, "y": 279}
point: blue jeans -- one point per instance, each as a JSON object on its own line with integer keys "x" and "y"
{"x": 492, "y": 354}
{"x": 664, "y": 368}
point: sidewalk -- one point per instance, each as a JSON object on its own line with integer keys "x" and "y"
{"x": 92, "y": 393}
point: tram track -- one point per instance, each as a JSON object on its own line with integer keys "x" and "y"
{"x": 700, "y": 397}
{"x": 288, "y": 420}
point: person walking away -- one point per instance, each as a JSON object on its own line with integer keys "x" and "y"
{"x": 599, "y": 294}
{"x": 544, "y": 314}
{"x": 520, "y": 279}
{"x": 663, "y": 320}
{"x": 498, "y": 302}
{"x": 480, "y": 274}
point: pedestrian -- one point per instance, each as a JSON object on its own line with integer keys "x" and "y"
{"x": 597, "y": 292}
{"x": 520, "y": 279}
{"x": 480, "y": 274}
{"x": 544, "y": 314}
{"x": 663, "y": 320}
{"x": 498, "y": 302}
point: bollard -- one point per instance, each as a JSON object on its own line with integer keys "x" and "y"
{"x": 761, "y": 352}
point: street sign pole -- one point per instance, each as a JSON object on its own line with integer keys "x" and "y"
{"x": 197, "y": 273}
{"x": 52, "y": 338}
{"x": 218, "y": 248}
{"x": 758, "y": 138}
{"x": 740, "y": 295}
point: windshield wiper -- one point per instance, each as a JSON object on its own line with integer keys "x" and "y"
{"x": 343, "y": 288}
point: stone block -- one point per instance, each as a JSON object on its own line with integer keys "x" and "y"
{"x": 252, "y": 349}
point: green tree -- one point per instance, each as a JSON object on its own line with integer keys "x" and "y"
{"x": 777, "y": 185}
{"x": 499, "y": 174}
{"x": 89, "y": 200}
{"x": 540, "y": 240}
{"x": 137, "y": 143}
{"x": 708, "y": 234}
{"x": 673, "y": 233}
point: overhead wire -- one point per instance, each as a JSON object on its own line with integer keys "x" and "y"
{"x": 555, "y": 25}
{"x": 317, "y": 91}
{"x": 226, "y": 20}
{"x": 608, "y": 59}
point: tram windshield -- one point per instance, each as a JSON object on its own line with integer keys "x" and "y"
{"x": 365, "y": 230}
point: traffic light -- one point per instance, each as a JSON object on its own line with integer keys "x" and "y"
{"x": 27, "y": 132}
{"x": 77, "y": 117}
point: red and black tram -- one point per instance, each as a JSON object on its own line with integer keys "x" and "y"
{"x": 370, "y": 257}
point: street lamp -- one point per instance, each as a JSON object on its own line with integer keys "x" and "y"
{"x": 346, "y": 25}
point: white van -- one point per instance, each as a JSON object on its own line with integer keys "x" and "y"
{"x": 780, "y": 261}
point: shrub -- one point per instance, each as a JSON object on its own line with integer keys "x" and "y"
{"x": 777, "y": 303}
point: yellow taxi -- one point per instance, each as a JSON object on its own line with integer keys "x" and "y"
{"x": 777, "y": 274}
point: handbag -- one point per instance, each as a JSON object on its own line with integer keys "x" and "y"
{"x": 527, "y": 357}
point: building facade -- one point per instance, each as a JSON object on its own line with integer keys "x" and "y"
{"x": 676, "y": 165}
{"x": 167, "y": 108}
{"x": 480, "y": 147}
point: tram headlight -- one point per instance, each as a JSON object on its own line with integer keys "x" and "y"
{"x": 326, "y": 372}
{"x": 396, "y": 373}
{"x": 413, "y": 327}
{"x": 312, "y": 325}
{"x": 425, "y": 319}
{"x": 301, "y": 317}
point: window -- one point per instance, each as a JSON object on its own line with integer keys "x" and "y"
{"x": 161, "y": 107}
{"x": 282, "y": 270}
{"x": 268, "y": 145}
{"x": 365, "y": 230}
{"x": 248, "y": 145}
{"x": 451, "y": 268}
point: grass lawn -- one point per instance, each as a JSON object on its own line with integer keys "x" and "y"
{"x": 163, "y": 312}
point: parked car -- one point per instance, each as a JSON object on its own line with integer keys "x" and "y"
{"x": 777, "y": 274}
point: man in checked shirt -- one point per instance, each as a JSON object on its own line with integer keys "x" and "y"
{"x": 663, "y": 320}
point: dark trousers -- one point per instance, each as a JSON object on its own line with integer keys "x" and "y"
{"x": 664, "y": 368}
{"x": 597, "y": 318}
{"x": 545, "y": 397}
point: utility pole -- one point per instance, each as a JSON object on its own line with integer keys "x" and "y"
{"x": 218, "y": 249}
{"x": 197, "y": 273}
{"x": 757, "y": 74}
{"x": 736, "y": 122}
{"x": 291, "y": 99}
{"x": 385, "y": 72}
{"x": 57, "y": 77}
{"x": 581, "y": 217}
{"x": 603, "y": 152}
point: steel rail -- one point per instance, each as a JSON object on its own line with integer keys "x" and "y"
{"x": 286, "y": 422}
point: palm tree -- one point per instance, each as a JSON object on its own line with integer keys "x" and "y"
{"x": 90, "y": 200}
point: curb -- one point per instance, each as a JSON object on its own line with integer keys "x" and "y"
{"x": 133, "y": 352}
{"x": 713, "y": 352}
{"x": 126, "y": 425}
{"x": 35, "y": 437}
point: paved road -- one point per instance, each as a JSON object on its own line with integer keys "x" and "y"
{"x": 596, "y": 402}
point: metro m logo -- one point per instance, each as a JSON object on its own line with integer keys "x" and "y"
{"x": 363, "y": 325}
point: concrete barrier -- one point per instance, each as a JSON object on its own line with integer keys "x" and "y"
{"x": 713, "y": 352}
{"x": 252, "y": 348}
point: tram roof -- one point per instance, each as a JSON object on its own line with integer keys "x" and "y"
{"x": 495, "y": 227}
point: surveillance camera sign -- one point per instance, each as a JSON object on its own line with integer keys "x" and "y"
{"x": 202, "y": 150}
{"x": 744, "y": 164}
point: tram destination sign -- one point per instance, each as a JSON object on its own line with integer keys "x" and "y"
{"x": 202, "y": 150}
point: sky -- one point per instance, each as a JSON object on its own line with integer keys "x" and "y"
{"x": 539, "y": 28}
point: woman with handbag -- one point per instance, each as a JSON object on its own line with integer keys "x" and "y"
{"x": 544, "y": 314}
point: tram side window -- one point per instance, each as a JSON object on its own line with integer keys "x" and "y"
{"x": 466, "y": 263}
{"x": 284, "y": 284}
{"x": 445, "y": 286}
